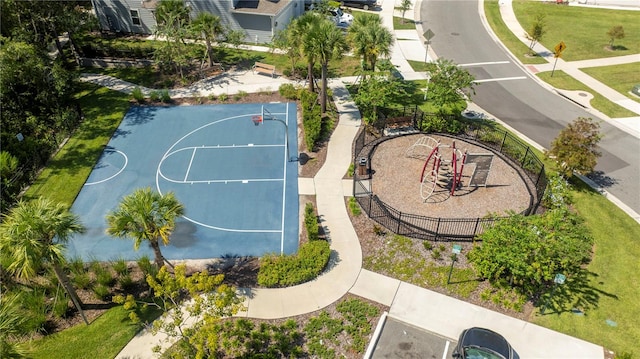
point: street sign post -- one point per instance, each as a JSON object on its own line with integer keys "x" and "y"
{"x": 558, "y": 53}
{"x": 428, "y": 35}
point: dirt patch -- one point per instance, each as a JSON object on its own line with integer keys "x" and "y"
{"x": 396, "y": 181}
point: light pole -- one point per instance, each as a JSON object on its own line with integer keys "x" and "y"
{"x": 454, "y": 257}
{"x": 426, "y": 89}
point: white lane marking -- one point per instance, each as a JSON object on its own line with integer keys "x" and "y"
{"x": 502, "y": 79}
{"x": 446, "y": 349}
{"x": 485, "y": 63}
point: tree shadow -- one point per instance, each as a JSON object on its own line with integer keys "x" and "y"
{"x": 577, "y": 295}
{"x": 602, "y": 179}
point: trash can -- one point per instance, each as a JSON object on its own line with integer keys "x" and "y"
{"x": 362, "y": 166}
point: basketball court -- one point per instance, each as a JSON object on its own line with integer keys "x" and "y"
{"x": 231, "y": 166}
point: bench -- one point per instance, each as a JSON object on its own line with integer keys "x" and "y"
{"x": 396, "y": 122}
{"x": 266, "y": 69}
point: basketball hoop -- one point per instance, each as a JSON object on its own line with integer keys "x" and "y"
{"x": 257, "y": 120}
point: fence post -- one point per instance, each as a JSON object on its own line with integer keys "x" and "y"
{"x": 370, "y": 202}
{"x": 399, "y": 221}
{"x": 539, "y": 175}
{"x": 525, "y": 157}
{"x": 503, "y": 141}
{"x": 475, "y": 229}
{"x": 438, "y": 228}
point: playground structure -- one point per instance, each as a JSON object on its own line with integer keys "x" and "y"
{"x": 438, "y": 170}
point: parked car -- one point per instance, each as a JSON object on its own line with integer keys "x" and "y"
{"x": 364, "y": 4}
{"x": 341, "y": 18}
{"x": 481, "y": 343}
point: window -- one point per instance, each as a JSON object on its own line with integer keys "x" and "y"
{"x": 135, "y": 17}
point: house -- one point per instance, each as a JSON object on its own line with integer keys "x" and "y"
{"x": 259, "y": 19}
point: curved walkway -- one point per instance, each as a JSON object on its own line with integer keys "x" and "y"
{"x": 418, "y": 306}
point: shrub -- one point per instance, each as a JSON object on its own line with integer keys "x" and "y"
{"x": 82, "y": 280}
{"x": 34, "y": 303}
{"x": 147, "y": 268}
{"x": 283, "y": 271}
{"x": 126, "y": 283}
{"x": 76, "y": 266}
{"x": 354, "y": 207}
{"x": 101, "y": 292}
{"x": 137, "y": 95}
{"x": 154, "y": 96}
{"x": 288, "y": 91}
{"x": 105, "y": 278}
{"x": 240, "y": 95}
{"x": 212, "y": 97}
{"x": 223, "y": 97}
{"x": 378, "y": 230}
{"x": 165, "y": 96}
{"x": 311, "y": 222}
{"x": 427, "y": 245}
{"x": 436, "y": 254}
{"x": 60, "y": 304}
{"x": 120, "y": 266}
{"x": 311, "y": 119}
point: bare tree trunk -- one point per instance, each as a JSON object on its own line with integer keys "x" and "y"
{"x": 159, "y": 260}
{"x": 209, "y": 51}
{"x": 64, "y": 280}
{"x": 310, "y": 76}
{"x": 323, "y": 97}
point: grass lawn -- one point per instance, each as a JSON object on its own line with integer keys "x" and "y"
{"x": 615, "y": 282}
{"x": 517, "y": 48}
{"x": 103, "y": 338}
{"x": 403, "y": 24}
{"x": 584, "y": 30}
{"x": 67, "y": 171}
{"x": 563, "y": 81}
{"x": 621, "y": 78}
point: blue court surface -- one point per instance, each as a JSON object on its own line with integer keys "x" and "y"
{"x": 235, "y": 179}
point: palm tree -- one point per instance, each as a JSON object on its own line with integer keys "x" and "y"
{"x": 208, "y": 26}
{"x": 370, "y": 39}
{"x": 34, "y": 234}
{"x": 328, "y": 43}
{"x": 172, "y": 19}
{"x": 146, "y": 215}
{"x": 300, "y": 35}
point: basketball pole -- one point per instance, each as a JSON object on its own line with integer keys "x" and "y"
{"x": 286, "y": 129}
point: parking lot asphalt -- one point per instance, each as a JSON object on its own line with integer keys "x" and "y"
{"x": 401, "y": 340}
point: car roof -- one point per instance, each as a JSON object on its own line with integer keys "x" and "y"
{"x": 488, "y": 339}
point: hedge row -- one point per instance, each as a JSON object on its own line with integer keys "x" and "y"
{"x": 311, "y": 222}
{"x": 284, "y": 271}
{"x": 311, "y": 118}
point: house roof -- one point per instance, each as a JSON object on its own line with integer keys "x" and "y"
{"x": 261, "y": 7}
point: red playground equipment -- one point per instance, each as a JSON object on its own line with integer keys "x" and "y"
{"x": 441, "y": 172}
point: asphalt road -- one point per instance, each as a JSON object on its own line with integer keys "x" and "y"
{"x": 509, "y": 93}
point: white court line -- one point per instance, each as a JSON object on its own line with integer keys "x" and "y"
{"x": 501, "y": 79}
{"x": 284, "y": 178}
{"x": 485, "y": 63}
{"x": 193, "y": 154}
{"x": 223, "y": 180}
{"x": 126, "y": 160}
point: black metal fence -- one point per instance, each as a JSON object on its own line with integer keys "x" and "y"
{"x": 516, "y": 153}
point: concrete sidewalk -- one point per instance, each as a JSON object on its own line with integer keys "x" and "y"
{"x": 409, "y": 303}
{"x": 572, "y": 68}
